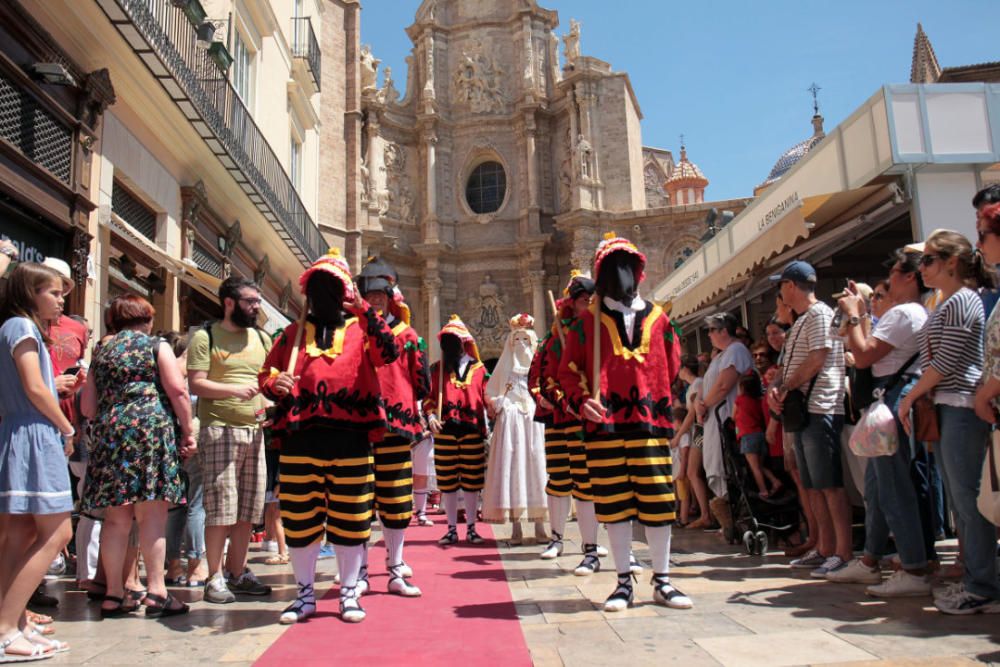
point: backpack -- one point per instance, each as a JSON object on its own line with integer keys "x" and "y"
{"x": 207, "y": 326}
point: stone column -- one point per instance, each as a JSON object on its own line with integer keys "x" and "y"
{"x": 432, "y": 291}
{"x": 431, "y": 224}
{"x": 532, "y": 159}
{"x": 536, "y": 279}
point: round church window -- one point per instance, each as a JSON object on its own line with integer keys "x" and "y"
{"x": 486, "y": 187}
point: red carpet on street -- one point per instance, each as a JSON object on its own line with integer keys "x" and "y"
{"x": 465, "y": 616}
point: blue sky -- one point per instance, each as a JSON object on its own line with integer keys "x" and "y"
{"x": 733, "y": 76}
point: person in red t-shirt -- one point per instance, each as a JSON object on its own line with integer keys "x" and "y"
{"x": 750, "y": 426}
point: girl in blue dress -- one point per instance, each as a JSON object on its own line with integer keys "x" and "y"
{"x": 35, "y": 497}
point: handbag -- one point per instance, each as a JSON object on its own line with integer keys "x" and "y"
{"x": 988, "y": 501}
{"x": 925, "y": 414}
{"x": 795, "y": 407}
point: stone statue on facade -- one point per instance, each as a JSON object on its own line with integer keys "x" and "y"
{"x": 388, "y": 92}
{"x": 366, "y": 182}
{"x": 369, "y": 69}
{"x": 583, "y": 152}
{"x": 571, "y": 42}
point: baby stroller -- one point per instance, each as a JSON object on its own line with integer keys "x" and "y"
{"x": 756, "y": 521}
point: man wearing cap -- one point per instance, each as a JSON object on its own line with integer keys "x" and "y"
{"x": 621, "y": 359}
{"x": 459, "y": 425}
{"x": 813, "y": 364}
{"x": 403, "y": 384}
{"x": 322, "y": 371}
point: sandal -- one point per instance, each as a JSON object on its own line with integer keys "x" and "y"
{"x": 32, "y": 634}
{"x": 37, "y": 652}
{"x": 118, "y": 610}
{"x": 277, "y": 559}
{"x": 134, "y": 599}
{"x": 95, "y": 590}
{"x": 162, "y": 606}
{"x": 302, "y": 608}
{"x": 38, "y": 619}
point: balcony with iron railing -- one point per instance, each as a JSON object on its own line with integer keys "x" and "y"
{"x": 306, "y": 46}
{"x": 162, "y": 34}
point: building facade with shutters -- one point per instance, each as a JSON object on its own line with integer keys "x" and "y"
{"x": 164, "y": 145}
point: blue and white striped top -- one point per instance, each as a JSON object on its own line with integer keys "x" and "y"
{"x": 952, "y": 344}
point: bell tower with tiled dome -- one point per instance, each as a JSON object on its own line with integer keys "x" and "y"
{"x": 686, "y": 184}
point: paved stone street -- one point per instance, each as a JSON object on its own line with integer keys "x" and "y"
{"x": 748, "y": 611}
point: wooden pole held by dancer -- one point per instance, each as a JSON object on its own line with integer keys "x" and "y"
{"x": 595, "y": 387}
{"x": 440, "y": 407}
{"x": 555, "y": 314}
{"x": 300, "y": 333}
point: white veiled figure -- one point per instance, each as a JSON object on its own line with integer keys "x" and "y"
{"x": 515, "y": 471}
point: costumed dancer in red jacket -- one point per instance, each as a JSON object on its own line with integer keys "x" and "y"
{"x": 322, "y": 373}
{"x": 456, "y": 414}
{"x": 404, "y": 383}
{"x": 627, "y": 413}
{"x": 565, "y": 457}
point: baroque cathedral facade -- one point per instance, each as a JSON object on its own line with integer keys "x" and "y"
{"x": 501, "y": 163}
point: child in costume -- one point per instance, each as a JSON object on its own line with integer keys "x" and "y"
{"x": 456, "y": 413}
{"x": 404, "y": 383}
{"x": 321, "y": 372}
{"x": 515, "y": 473}
{"x": 627, "y": 413}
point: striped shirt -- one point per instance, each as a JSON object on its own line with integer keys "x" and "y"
{"x": 813, "y": 331}
{"x": 952, "y": 344}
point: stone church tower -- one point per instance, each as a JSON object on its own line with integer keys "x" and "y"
{"x": 499, "y": 165}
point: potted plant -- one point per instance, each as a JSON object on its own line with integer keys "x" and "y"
{"x": 220, "y": 54}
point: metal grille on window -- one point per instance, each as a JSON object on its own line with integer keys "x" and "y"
{"x": 486, "y": 187}
{"x": 34, "y": 131}
{"x": 206, "y": 261}
{"x": 133, "y": 211}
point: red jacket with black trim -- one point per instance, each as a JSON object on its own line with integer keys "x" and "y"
{"x": 337, "y": 386}
{"x": 464, "y": 398}
{"x": 635, "y": 375}
{"x": 405, "y": 382}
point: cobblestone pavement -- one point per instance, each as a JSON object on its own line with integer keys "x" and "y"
{"x": 748, "y": 611}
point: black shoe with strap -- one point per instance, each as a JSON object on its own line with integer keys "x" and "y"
{"x": 624, "y": 595}
{"x": 664, "y": 593}
{"x": 350, "y": 605}
{"x": 302, "y": 608}
{"x": 554, "y": 548}
{"x": 118, "y": 610}
{"x": 160, "y": 606}
{"x": 590, "y": 563}
{"x": 364, "y": 586}
{"x": 472, "y": 537}
{"x": 451, "y": 537}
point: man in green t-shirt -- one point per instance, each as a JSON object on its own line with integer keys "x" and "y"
{"x": 223, "y": 361}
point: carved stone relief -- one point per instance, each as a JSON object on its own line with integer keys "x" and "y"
{"x": 478, "y": 81}
{"x": 488, "y": 317}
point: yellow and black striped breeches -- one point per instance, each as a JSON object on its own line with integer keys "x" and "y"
{"x": 394, "y": 481}
{"x": 459, "y": 460}
{"x": 631, "y": 478}
{"x": 566, "y": 462}
{"x": 327, "y": 483}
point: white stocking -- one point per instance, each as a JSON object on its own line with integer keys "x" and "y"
{"x": 587, "y": 519}
{"x": 620, "y": 535}
{"x": 419, "y": 503}
{"x": 658, "y": 539}
{"x": 349, "y": 560}
{"x": 303, "y": 561}
{"x": 393, "y": 545}
{"x": 558, "y": 511}
{"x": 471, "y": 505}
{"x": 450, "y": 500}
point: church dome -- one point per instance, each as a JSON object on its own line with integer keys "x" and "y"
{"x": 686, "y": 172}
{"x": 791, "y": 157}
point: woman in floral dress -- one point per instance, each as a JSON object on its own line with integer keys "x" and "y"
{"x": 136, "y": 396}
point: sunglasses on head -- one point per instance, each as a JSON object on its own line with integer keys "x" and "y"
{"x": 711, "y": 329}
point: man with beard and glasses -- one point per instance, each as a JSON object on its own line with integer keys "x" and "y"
{"x": 459, "y": 426}
{"x": 223, "y": 361}
{"x": 403, "y": 383}
{"x": 627, "y": 414}
{"x": 322, "y": 373}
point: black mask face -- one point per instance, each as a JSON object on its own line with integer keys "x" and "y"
{"x": 618, "y": 276}
{"x": 451, "y": 351}
{"x": 326, "y": 300}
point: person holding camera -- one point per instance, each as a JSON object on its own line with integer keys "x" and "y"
{"x": 809, "y": 394}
